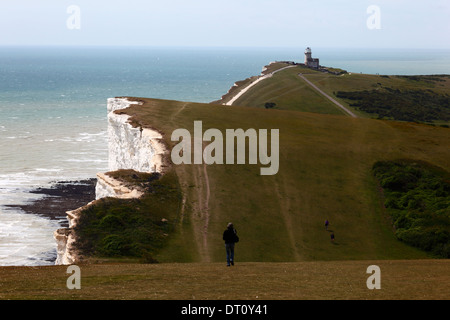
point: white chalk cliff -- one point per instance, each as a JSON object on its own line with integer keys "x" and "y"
{"x": 140, "y": 149}
{"x": 135, "y": 148}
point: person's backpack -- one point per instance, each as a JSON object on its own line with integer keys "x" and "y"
{"x": 236, "y": 238}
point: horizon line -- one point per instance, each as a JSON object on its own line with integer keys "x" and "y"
{"x": 214, "y": 46}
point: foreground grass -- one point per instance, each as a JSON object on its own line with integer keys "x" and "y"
{"x": 400, "y": 279}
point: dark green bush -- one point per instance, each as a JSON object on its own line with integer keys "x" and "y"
{"x": 405, "y": 105}
{"x": 114, "y": 245}
{"x": 417, "y": 196}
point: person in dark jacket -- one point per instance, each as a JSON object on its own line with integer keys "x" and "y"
{"x": 230, "y": 237}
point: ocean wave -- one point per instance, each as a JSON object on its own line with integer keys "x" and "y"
{"x": 86, "y": 160}
{"x": 26, "y": 239}
{"x": 99, "y": 137}
{"x": 93, "y": 134}
{"x": 47, "y": 170}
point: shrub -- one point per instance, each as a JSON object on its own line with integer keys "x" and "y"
{"x": 418, "y": 200}
{"x": 270, "y": 105}
{"x": 114, "y": 245}
{"x": 405, "y": 105}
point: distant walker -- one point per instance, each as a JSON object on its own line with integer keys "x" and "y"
{"x": 230, "y": 237}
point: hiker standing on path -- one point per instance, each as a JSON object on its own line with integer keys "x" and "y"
{"x": 230, "y": 237}
{"x": 326, "y": 224}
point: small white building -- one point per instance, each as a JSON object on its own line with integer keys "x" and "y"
{"x": 309, "y": 60}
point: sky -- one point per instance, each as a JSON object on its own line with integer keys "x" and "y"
{"x": 227, "y": 23}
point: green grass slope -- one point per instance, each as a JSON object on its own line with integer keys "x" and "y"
{"x": 325, "y": 173}
{"x": 289, "y": 92}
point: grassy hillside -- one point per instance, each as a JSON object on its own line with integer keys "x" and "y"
{"x": 325, "y": 173}
{"x": 289, "y": 92}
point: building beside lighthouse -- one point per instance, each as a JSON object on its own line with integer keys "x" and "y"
{"x": 310, "y": 61}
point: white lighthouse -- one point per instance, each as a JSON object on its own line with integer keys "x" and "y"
{"x": 307, "y": 55}
{"x": 309, "y": 60}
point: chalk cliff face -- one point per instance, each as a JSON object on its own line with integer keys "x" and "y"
{"x": 139, "y": 149}
{"x": 130, "y": 147}
{"x": 110, "y": 187}
{"x": 65, "y": 238}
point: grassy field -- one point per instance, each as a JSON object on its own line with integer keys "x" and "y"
{"x": 325, "y": 173}
{"x": 402, "y": 279}
{"x": 289, "y": 92}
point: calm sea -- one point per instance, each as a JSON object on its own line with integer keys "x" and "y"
{"x": 53, "y": 111}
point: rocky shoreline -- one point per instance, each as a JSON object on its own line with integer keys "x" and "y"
{"x": 60, "y": 197}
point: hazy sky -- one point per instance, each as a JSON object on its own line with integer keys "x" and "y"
{"x": 268, "y": 23}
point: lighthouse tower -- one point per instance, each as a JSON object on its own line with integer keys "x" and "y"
{"x": 308, "y": 55}
{"x": 310, "y": 61}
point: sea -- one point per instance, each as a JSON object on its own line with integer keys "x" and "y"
{"x": 53, "y": 123}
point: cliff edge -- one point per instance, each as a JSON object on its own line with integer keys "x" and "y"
{"x": 134, "y": 148}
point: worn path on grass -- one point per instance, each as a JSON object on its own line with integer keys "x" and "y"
{"x": 327, "y": 96}
{"x": 200, "y": 209}
{"x": 251, "y": 85}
